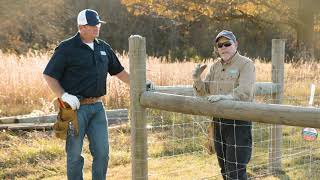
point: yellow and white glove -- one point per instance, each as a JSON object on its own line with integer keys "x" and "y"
{"x": 72, "y": 100}
{"x": 196, "y": 73}
{"x": 215, "y": 98}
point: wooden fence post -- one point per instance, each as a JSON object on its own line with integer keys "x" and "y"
{"x": 139, "y": 153}
{"x": 278, "y": 53}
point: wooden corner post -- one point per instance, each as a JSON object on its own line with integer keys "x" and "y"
{"x": 278, "y": 53}
{"x": 139, "y": 153}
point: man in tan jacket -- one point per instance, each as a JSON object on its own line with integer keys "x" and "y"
{"x": 231, "y": 77}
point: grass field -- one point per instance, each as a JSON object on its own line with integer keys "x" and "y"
{"x": 175, "y": 153}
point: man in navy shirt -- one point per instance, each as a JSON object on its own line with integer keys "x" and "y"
{"x": 77, "y": 73}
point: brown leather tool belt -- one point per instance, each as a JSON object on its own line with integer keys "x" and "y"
{"x": 91, "y": 100}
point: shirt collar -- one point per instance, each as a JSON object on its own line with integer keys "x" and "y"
{"x": 96, "y": 40}
{"x": 79, "y": 41}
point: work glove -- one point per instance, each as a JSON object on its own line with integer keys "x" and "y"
{"x": 196, "y": 73}
{"x": 150, "y": 85}
{"x": 215, "y": 98}
{"x": 72, "y": 100}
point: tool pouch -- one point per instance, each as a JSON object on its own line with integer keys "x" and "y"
{"x": 66, "y": 116}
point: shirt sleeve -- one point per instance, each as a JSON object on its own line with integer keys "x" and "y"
{"x": 115, "y": 66}
{"x": 56, "y": 64}
{"x": 247, "y": 80}
{"x": 201, "y": 88}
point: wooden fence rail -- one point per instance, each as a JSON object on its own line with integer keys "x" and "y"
{"x": 116, "y": 116}
{"x": 247, "y": 111}
{"x": 261, "y": 88}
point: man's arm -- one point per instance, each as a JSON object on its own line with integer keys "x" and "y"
{"x": 54, "y": 85}
{"x": 199, "y": 86}
{"x": 124, "y": 77}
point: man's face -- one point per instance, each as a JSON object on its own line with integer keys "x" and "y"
{"x": 226, "y": 48}
{"x": 90, "y": 32}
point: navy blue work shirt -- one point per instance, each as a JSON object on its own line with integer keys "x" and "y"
{"x": 80, "y": 70}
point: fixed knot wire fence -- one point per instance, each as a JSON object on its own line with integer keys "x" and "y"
{"x": 174, "y": 137}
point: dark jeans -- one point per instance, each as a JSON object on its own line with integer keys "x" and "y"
{"x": 233, "y": 145}
{"x": 92, "y": 122}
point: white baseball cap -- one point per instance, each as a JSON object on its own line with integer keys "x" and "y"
{"x": 89, "y": 17}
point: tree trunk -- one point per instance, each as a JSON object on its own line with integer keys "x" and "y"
{"x": 305, "y": 31}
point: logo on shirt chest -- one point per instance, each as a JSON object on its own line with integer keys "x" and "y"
{"x": 233, "y": 73}
{"x": 103, "y": 53}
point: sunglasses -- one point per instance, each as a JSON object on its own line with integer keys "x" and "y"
{"x": 225, "y": 44}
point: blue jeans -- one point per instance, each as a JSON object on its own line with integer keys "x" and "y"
{"x": 92, "y": 122}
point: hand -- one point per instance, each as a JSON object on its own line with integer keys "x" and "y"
{"x": 196, "y": 73}
{"x": 215, "y": 98}
{"x": 150, "y": 85}
{"x": 72, "y": 100}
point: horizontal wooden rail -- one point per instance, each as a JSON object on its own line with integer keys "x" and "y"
{"x": 117, "y": 116}
{"x": 26, "y": 126}
{"x": 262, "y": 88}
{"x": 248, "y": 111}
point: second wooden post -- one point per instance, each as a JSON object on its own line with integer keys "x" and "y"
{"x": 278, "y": 52}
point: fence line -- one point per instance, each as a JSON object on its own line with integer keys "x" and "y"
{"x": 266, "y": 113}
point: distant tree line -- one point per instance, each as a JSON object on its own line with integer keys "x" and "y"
{"x": 178, "y": 30}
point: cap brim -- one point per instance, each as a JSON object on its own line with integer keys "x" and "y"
{"x": 96, "y": 23}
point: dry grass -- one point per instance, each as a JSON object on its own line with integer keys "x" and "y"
{"x": 23, "y": 89}
{"x": 38, "y": 155}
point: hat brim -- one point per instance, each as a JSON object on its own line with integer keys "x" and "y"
{"x": 223, "y": 36}
{"x": 96, "y": 23}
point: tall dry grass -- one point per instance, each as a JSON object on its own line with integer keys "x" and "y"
{"x": 23, "y": 90}
{"x": 41, "y": 156}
